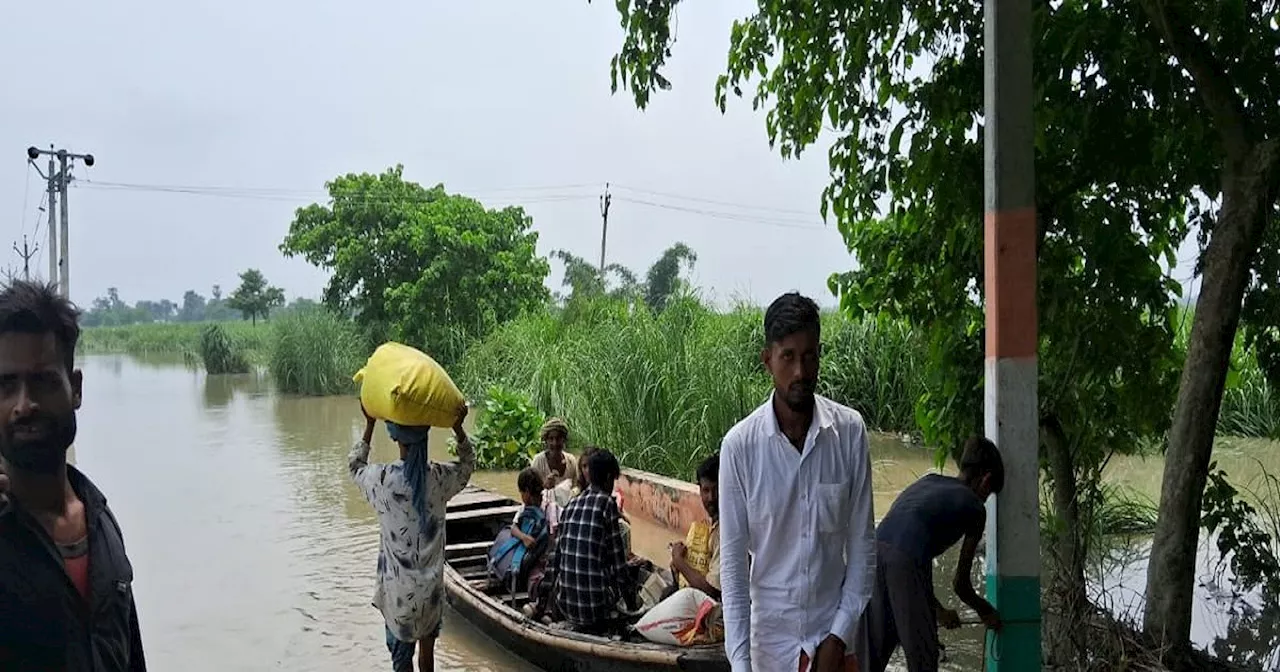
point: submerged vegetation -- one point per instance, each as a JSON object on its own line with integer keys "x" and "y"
{"x": 315, "y": 352}
{"x": 220, "y": 353}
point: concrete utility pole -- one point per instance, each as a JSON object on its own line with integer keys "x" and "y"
{"x": 59, "y": 264}
{"x": 605, "y": 199}
{"x": 26, "y": 253}
{"x": 1012, "y": 421}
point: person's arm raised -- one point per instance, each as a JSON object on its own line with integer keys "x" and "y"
{"x": 452, "y": 477}
{"x": 734, "y": 541}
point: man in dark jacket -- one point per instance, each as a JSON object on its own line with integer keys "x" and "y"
{"x": 66, "y": 595}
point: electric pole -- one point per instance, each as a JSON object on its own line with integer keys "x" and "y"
{"x": 58, "y": 178}
{"x": 604, "y": 225}
{"x": 26, "y": 253}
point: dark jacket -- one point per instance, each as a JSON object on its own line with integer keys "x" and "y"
{"x": 45, "y": 625}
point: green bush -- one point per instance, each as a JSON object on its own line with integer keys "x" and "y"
{"x": 219, "y": 353}
{"x": 508, "y": 431}
{"x": 315, "y": 352}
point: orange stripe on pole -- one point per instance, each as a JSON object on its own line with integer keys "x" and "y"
{"x": 1010, "y": 277}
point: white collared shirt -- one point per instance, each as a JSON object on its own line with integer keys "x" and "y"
{"x": 799, "y": 515}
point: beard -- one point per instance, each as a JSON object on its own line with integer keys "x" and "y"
{"x": 799, "y": 396}
{"x": 44, "y": 453}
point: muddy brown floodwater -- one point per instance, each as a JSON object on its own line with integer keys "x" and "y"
{"x": 252, "y": 550}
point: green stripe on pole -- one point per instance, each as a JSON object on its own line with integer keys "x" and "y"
{"x": 1017, "y": 646}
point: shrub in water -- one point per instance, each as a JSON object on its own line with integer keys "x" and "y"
{"x": 508, "y": 431}
{"x": 219, "y": 353}
{"x": 315, "y": 352}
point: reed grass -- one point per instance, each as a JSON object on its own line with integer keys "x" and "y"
{"x": 661, "y": 390}
{"x": 220, "y": 354}
{"x": 315, "y": 352}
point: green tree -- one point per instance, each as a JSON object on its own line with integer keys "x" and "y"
{"x": 663, "y": 279}
{"x": 193, "y": 307}
{"x": 433, "y": 269}
{"x": 254, "y": 298}
{"x": 1140, "y": 121}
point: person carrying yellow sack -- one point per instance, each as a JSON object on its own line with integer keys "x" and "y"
{"x": 410, "y": 392}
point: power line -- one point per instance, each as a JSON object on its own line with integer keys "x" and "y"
{"x": 711, "y": 201}
{"x": 732, "y": 216}
{"x": 739, "y": 212}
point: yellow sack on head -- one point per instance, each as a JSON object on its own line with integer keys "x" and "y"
{"x": 407, "y": 387}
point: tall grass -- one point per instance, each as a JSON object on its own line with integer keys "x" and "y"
{"x": 661, "y": 390}
{"x": 315, "y": 352}
{"x": 169, "y": 337}
{"x": 220, "y": 353}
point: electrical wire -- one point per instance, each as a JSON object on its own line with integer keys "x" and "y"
{"x": 780, "y": 217}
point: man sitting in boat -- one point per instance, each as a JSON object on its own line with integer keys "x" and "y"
{"x": 554, "y": 464}
{"x": 592, "y": 572}
{"x": 689, "y": 612}
{"x": 695, "y": 563}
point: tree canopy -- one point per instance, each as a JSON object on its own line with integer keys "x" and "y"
{"x": 433, "y": 269}
{"x": 255, "y": 298}
{"x": 662, "y": 281}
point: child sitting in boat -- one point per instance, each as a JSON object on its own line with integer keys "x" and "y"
{"x": 584, "y": 484}
{"x": 592, "y": 569}
{"x": 519, "y": 547}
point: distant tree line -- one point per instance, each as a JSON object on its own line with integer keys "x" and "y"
{"x": 255, "y": 298}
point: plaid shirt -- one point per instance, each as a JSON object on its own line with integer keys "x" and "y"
{"x": 591, "y": 559}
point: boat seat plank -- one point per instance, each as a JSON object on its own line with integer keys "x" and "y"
{"x": 479, "y": 514}
{"x": 453, "y": 551}
{"x": 475, "y": 498}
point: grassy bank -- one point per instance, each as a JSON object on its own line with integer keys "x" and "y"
{"x": 169, "y": 337}
{"x": 662, "y": 389}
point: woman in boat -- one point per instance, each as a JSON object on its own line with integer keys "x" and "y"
{"x": 410, "y": 496}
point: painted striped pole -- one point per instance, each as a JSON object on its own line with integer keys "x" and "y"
{"x": 1012, "y": 420}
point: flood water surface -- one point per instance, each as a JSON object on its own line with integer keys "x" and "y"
{"x": 251, "y": 548}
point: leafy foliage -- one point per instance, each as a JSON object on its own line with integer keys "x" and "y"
{"x": 220, "y": 353}
{"x": 420, "y": 265}
{"x": 254, "y": 298}
{"x": 1242, "y": 541}
{"x": 507, "y": 432}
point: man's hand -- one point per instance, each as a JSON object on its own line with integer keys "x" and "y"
{"x": 678, "y": 552}
{"x": 551, "y": 481}
{"x": 991, "y": 619}
{"x": 948, "y": 618}
{"x": 462, "y": 416}
{"x": 4, "y": 485}
{"x": 829, "y": 657}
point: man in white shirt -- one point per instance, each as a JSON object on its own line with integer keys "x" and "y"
{"x": 795, "y": 496}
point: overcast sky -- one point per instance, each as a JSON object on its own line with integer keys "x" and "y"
{"x": 505, "y": 101}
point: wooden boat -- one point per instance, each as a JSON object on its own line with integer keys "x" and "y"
{"x": 473, "y": 520}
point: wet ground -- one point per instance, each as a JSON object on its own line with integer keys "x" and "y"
{"x": 253, "y": 551}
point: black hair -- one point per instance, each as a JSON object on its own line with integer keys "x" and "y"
{"x": 583, "y": 459}
{"x": 37, "y": 308}
{"x": 979, "y": 458}
{"x": 709, "y": 470}
{"x": 529, "y": 481}
{"x": 603, "y": 469}
{"x": 790, "y": 314}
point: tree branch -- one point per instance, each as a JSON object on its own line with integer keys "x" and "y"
{"x": 1208, "y": 74}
